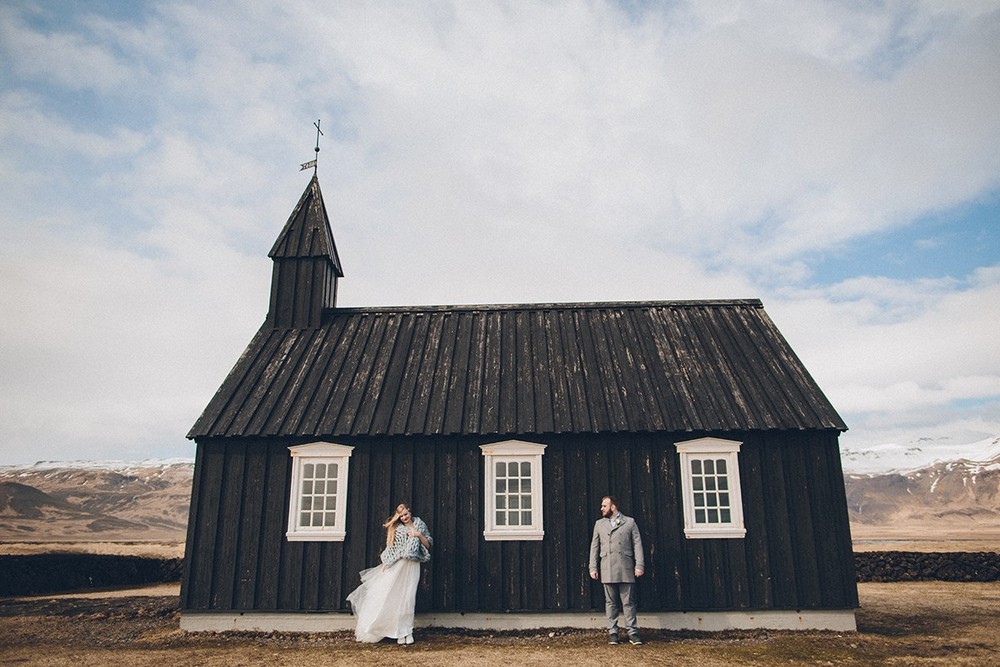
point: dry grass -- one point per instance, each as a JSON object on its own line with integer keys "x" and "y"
{"x": 146, "y": 549}
{"x": 925, "y": 623}
{"x": 915, "y": 623}
{"x": 925, "y": 537}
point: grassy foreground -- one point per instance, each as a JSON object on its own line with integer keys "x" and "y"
{"x": 925, "y": 623}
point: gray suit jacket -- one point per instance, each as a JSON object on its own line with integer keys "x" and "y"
{"x": 620, "y": 549}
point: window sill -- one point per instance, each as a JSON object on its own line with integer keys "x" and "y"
{"x": 721, "y": 533}
{"x": 325, "y": 536}
{"x": 512, "y": 536}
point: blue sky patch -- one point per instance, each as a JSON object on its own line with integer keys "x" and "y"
{"x": 951, "y": 243}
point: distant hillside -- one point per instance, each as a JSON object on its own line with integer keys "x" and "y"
{"x": 953, "y": 494}
{"x": 27, "y": 510}
{"x": 95, "y": 502}
{"x": 148, "y": 501}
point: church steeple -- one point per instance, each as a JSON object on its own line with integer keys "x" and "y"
{"x": 306, "y": 265}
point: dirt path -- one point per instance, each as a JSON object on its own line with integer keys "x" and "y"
{"x": 927, "y": 623}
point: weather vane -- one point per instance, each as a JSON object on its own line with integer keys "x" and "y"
{"x": 314, "y": 163}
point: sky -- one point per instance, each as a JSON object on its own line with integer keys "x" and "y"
{"x": 838, "y": 160}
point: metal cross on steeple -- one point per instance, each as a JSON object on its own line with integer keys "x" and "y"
{"x": 314, "y": 163}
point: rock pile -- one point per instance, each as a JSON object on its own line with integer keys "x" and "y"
{"x": 917, "y": 566}
{"x": 51, "y": 573}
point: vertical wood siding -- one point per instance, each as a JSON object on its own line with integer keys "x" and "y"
{"x": 797, "y": 553}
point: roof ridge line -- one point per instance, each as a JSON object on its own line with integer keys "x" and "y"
{"x": 582, "y": 305}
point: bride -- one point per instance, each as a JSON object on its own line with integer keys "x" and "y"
{"x": 383, "y": 603}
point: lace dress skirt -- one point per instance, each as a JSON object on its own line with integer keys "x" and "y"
{"x": 383, "y": 603}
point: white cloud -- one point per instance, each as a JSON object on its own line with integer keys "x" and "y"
{"x": 484, "y": 152}
{"x": 110, "y": 351}
{"x": 51, "y": 136}
{"x": 909, "y": 396}
{"x": 72, "y": 60}
{"x": 896, "y": 347}
{"x": 733, "y": 142}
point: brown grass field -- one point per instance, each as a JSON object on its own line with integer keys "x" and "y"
{"x": 913, "y": 623}
{"x": 923, "y": 623}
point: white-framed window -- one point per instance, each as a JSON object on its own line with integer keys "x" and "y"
{"x": 710, "y": 483}
{"x": 513, "y": 509}
{"x": 317, "y": 507}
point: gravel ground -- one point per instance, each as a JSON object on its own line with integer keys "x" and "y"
{"x": 926, "y": 623}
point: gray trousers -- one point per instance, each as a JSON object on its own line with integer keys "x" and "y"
{"x": 620, "y": 598}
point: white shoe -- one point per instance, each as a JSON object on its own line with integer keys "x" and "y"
{"x": 401, "y": 641}
{"x": 409, "y": 639}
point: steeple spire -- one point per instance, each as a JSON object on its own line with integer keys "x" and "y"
{"x": 314, "y": 163}
{"x": 306, "y": 265}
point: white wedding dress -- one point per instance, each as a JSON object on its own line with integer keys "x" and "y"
{"x": 383, "y": 603}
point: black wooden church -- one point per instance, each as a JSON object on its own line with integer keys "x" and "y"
{"x": 503, "y": 425}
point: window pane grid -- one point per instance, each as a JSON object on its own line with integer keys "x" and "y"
{"x": 318, "y": 499}
{"x": 710, "y": 483}
{"x": 513, "y": 494}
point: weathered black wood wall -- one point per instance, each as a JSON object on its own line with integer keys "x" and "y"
{"x": 300, "y": 290}
{"x": 797, "y": 553}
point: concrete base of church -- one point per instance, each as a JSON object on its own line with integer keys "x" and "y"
{"x": 840, "y": 620}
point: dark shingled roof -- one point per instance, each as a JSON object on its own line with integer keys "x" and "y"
{"x": 519, "y": 370}
{"x": 307, "y": 232}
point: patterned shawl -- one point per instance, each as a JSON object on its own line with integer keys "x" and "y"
{"x": 408, "y": 547}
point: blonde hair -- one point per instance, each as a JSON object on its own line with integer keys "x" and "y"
{"x": 391, "y": 523}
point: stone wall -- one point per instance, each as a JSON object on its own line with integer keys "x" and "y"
{"x": 52, "y": 573}
{"x": 917, "y": 566}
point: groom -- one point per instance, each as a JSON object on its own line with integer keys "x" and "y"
{"x": 617, "y": 542}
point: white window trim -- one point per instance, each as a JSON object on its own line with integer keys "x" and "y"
{"x": 718, "y": 448}
{"x": 318, "y": 452}
{"x": 517, "y": 450}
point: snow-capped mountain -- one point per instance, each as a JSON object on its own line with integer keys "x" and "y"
{"x": 911, "y": 490}
{"x": 921, "y": 453}
{"x": 87, "y": 500}
{"x": 946, "y": 495}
